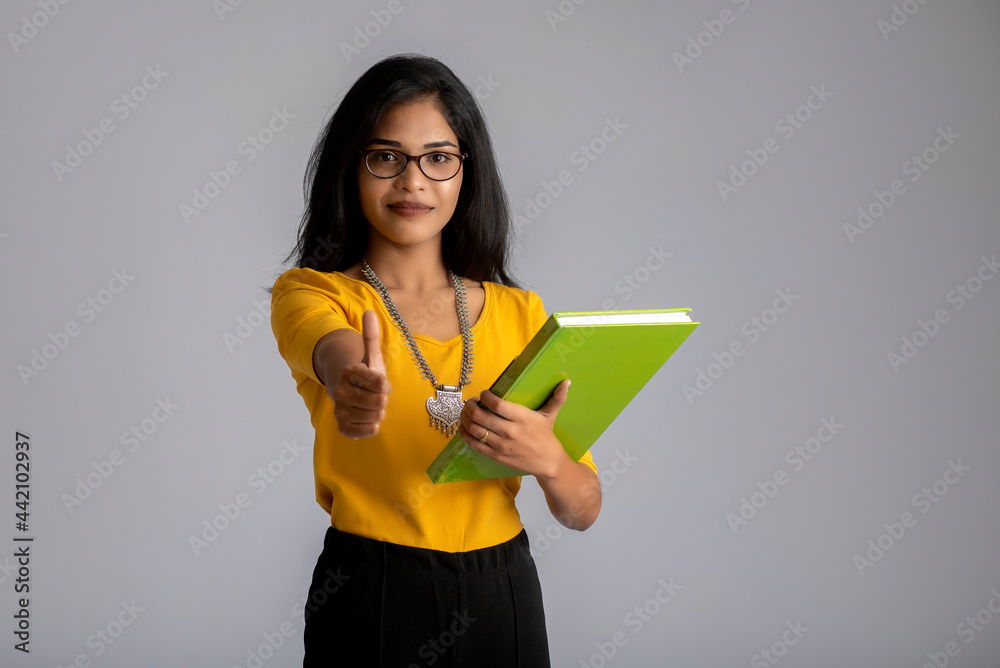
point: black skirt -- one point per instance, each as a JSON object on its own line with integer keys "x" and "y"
{"x": 383, "y": 605}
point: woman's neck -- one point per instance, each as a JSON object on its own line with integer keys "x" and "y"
{"x": 414, "y": 269}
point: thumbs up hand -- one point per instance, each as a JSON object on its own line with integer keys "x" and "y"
{"x": 362, "y": 394}
{"x": 370, "y": 335}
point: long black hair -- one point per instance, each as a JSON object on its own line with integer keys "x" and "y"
{"x": 333, "y": 234}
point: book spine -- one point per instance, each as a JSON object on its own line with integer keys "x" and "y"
{"x": 538, "y": 342}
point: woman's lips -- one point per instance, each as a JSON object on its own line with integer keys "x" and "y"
{"x": 409, "y": 210}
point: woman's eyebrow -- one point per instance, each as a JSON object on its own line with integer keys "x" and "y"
{"x": 390, "y": 142}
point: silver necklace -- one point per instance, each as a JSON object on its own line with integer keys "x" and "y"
{"x": 446, "y": 405}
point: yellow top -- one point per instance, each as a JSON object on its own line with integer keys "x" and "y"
{"x": 378, "y": 487}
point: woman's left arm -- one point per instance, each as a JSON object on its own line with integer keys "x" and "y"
{"x": 522, "y": 439}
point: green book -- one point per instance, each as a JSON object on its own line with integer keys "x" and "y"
{"x": 608, "y": 355}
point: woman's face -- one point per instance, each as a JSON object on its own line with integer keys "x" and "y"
{"x": 414, "y": 128}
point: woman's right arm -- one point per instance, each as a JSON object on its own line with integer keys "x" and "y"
{"x": 359, "y": 390}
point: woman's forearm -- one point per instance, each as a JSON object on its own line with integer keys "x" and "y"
{"x": 333, "y": 352}
{"x": 573, "y": 495}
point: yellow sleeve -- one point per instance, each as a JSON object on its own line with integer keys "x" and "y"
{"x": 538, "y": 317}
{"x": 536, "y": 311}
{"x": 588, "y": 459}
{"x": 301, "y": 314}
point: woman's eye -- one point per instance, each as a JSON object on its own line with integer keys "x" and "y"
{"x": 385, "y": 156}
{"x": 440, "y": 158}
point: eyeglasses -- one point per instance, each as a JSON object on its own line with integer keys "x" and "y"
{"x": 436, "y": 165}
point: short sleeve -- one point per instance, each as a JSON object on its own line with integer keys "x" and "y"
{"x": 536, "y": 311}
{"x": 301, "y": 314}
{"x": 588, "y": 459}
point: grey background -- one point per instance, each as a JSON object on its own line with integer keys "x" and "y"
{"x": 164, "y": 336}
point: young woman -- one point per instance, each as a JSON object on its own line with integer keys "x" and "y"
{"x": 400, "y": 314}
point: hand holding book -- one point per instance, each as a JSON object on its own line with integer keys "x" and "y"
{"x": 515, "y": 435}
{"x": 610, "y": 356}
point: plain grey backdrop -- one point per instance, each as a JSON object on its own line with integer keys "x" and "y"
{"x": 810, "y": 481}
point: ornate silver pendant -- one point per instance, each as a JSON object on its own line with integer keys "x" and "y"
{"x": 445, "y": 408}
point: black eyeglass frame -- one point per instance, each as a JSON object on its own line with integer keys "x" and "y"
{"x": 367, "y": 152}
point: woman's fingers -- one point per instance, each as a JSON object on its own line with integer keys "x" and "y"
{"x": 473, "y": 429}
{"x": 360, "y": 375}
{"x": 352, "y": 415}
{"x": 362, "y": 387}
{"x": 519, "y": 437}
{"x": 478, "y": 419}
{"x": 360, "y": 399}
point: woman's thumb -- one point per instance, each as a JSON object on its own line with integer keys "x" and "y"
{"x": 556, "y": 401}
{"x": 370, "y": 334}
